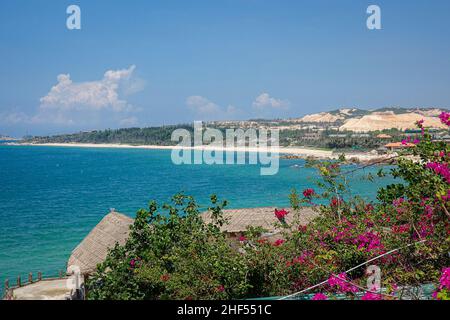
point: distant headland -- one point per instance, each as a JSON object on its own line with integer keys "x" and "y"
{"x": 362, "y": 134}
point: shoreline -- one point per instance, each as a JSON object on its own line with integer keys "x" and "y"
{"x": 299, "y": 152}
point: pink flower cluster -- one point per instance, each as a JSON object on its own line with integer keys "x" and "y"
{"x": 403, "y": 228}
{"x": 308, "y": 193}
{"x": 278, "y": 242}
{"x": 407, "y": 141}
{"x": 372, "y": 296}
{"x": 369, "y": 241}
{"x": 445, "y": 279}
{"x": 398, "y": 202}
{"x": 341, "y": 283}
{"x": 440, "y": 169}
{"x": 301, "y": 259}
{"x": 425, "y": 226}
{"x": 220, "y": 288}
{"x": 446, "y": 197}
{"x": 319, "y": 296}
{"x": 335, "y": 202}
{"x": 445, "y": 118}
{"x": 444, "y": 282}
{"x": 281, "y": 214}
{"x": 134, "y": 263}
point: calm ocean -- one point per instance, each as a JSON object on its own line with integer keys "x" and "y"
{"x": 51, "y": 197}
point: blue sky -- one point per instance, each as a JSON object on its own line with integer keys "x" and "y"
{"x": 140, "y": 63}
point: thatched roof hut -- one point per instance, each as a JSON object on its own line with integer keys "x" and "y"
{"x": 113, "y": 228}
{"x": 240, "y": 219}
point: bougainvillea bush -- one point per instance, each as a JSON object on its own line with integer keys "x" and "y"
{"x": 173, "y": 254}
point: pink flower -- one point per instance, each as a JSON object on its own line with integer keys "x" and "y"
{"x": 446, "y": 197}
{"x": 220, "y": 288}
{"x": 398, "y": 202}
{"x": 416, "y": 141}
{"x": 304, "y": 257}
{"x": 278, "y": 243}
{"x": 319, "y": 296}
{"x": 134, "y": 262}
{"x": 406, "y": 141}
{"x": 342, "y": 283}
{"x": 242, "y": 238}
{"x": 445, "y": 118}
{"x": 281, "y": 214}
{"x": 440, "y": 169}
{"x": 308, "y": 193}
{"x": 404, "y": 228}
{"x": 444, "y": 282}
{"x": 428, "y": 210}
{"x": 335, "y": 202}
{"x": 372, "y": 296}
{"x": 445, "y": 279}
{"x": 369, "y": 241}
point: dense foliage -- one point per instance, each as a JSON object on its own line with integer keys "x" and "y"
{"x": 173, "y": 254}
{"x": 132, "y": 136}
{"x": 326, "y": 138}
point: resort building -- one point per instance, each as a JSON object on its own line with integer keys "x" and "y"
{"x": 384, "y": 136}
{"x": 399, "y": 145}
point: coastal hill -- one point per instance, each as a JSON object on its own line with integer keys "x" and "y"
{"x": 334, "y": 116}
{"x": 357, "y": 120}
{"x": 347, "y": 128}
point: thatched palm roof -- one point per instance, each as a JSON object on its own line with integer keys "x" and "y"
{"x": 114, "y": 228}
{"x": 240, "y": 219}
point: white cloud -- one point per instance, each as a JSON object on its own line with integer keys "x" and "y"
{"x": 92, "y": 95}
{"x": 202, "y": 106}
{"x": 205, "y": 109}
{"x": 80, "y": 103}
{"x": 232, "y": 110}
{"x": 265, "y": 102}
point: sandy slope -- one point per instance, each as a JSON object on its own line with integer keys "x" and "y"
{"x": 387, "y": 120}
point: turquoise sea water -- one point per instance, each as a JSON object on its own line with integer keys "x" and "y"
{"x": 51, "y": 197}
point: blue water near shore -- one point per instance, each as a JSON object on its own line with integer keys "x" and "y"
{"x": 51, "y": 197}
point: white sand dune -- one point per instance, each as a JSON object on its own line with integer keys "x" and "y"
{"x": 388, "y": 120}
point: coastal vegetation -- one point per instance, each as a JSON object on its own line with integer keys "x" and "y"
{"x": 327, "y": 130}
{"x": 172, "y": 253}
{"x": 131, "y": 136}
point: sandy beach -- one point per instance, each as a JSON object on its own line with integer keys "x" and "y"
{"x": 300, "y": 152}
